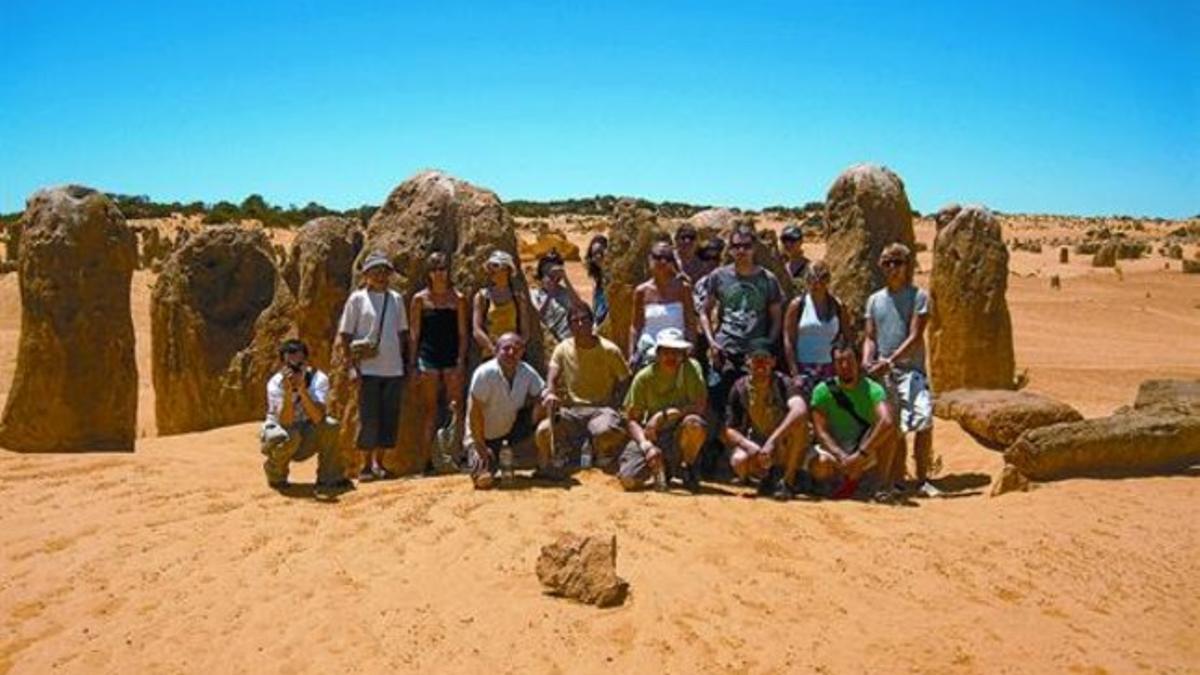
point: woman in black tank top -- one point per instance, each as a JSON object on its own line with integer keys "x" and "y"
{"x": 439, "y": 347}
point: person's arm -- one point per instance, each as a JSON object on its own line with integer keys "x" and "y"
{"x": 478, "y": 321}
{"x": 821, "y": 429}
{"x": 475, "y": 423}
{"x": 797, "y": 413}
{"x": 637, "y": 322}
{"x": 549, "y": 393}
{"x": 735, "y": 418}
{"x": 525, "y": 316}
{"x": 879, "y": 432}
{"x": 706, "y": 323}
{"x": 791, "y": 328}
{"x": 346, "y": 329}
{"x": 462, "y": 330}
{"x": 414, "y": 331}
{"x": 314, "y": 411}
{"x": 775, "y": 316}
{"x": 690, "y": 317}
{"x": 343, "y": 346}
{"x": 700, "y": 405}
{"x": 869, "y": 348}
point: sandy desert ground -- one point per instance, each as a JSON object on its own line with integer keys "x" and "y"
{"x": 177, "y": 558}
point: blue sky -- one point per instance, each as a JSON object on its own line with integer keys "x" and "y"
{"x": 1063, "y": 107}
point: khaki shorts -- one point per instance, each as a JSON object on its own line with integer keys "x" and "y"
{"x": 578, "y": 426}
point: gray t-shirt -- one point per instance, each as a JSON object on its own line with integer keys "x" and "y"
{"x": 745, "y": 303}
{"x": 892, "y": 314}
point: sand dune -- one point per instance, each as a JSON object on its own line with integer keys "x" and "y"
{"x": 177, "y": 558}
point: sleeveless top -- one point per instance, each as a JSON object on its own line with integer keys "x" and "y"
{"x": 499, "y": 317}
{"x": 438, "y": 347}
{"x": 814, "y": 337}
{"x": 659, "y": 315}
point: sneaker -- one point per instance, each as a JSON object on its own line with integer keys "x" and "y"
{"x": 928, "y": 491}
{"x": 768, "y": 484}
{"x": 783, "y": 491}
{"x": 366, "y": 476}
{"x": 278, "y": 485}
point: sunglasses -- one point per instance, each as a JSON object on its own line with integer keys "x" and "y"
{"x": 663, "y": 257}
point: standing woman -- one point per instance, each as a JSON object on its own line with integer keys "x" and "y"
{"x": 439, "y": 345}
{"x": 596, "y": 252}
{"x": 498, "y": 309}
{"x": 372, "y": 338}
{"x": 812, "y": 323}
{"x": 663, "y": 301}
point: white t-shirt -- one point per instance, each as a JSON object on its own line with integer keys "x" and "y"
{"x": 359, "y": 321}
{"x": 318, "y": 391}
{"x": 501, "y": 400}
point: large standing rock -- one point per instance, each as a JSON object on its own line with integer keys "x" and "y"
{"x": 1106, "y": 255}
{"x": 970, "y": 332}
{"x": 583, "y": 568}
{"x": 633, "y": 231}
{"x": 12, "y": 240}
{"x": 218, "y": 313}
{"x": 1137, "y": 443}
{"x": 433, "y": 211}
{"x": 997, "y": 418}
{"x": 866, "y": 209}
{"x": 75, "y": 386}
{"x": 320, "y": 273}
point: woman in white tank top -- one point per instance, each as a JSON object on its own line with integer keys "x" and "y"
{"x": 663, "y": 301}
{"x": 813, "y": 321}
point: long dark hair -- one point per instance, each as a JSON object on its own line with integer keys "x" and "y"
{"x": 594, "y": 270}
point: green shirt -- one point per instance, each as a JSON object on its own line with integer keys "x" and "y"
{"x": 654, "y": 390}
{"x": 864, "y": 396}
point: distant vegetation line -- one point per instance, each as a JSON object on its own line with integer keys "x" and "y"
{"x": 272, "y": 215}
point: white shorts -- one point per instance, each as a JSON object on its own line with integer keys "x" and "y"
{"x": 908, "y": 393}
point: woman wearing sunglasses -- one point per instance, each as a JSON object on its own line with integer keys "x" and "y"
{"x": 663, "y": 301}
{"x": 813, "y": 321}
{"x": 439, "y": 345}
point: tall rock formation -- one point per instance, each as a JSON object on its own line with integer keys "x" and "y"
{"x": 970, "y": 332}
{"x": 75, "y": 386}
{"x": 865, "y": 210}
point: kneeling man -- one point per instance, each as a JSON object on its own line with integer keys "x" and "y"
{"x": 665, "y": 411}
{"x": 503, "y": 404}
{"x": 296, "y": 427}
{"x": 766, "y": 425}
{"x": 586, "y": 378}
{"x": 853, "y": 423}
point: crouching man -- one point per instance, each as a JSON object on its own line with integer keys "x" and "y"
{"x": 665, "y": 411}
{"x": 853, "y": 423}
{"x": 766, "y": 425}
{"x": 503, "y": 405}
{"x": 296, "y": 427}
{"x": 586, "y": 378}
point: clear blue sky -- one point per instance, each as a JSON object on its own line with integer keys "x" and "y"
{"x": 1065, "y": 107}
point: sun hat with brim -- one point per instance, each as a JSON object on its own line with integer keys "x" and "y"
{"x": 671, "y": 338}
{"x": 761, "y": 347}
{"x": 377, "y": 260}
{"x": 503, "y": 259}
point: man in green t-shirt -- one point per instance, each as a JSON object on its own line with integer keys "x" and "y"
{"x": 853, "y": 423}
{"x": 665, "y": 411}
{"x": 585, "y": 381}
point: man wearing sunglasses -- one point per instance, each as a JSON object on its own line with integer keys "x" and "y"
{"x": 686, "y": 251}
{"x": 747, "y": 302}
{"x": 894, "y": 353}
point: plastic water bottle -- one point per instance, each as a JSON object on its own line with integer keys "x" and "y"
{"x": 507, "y": 474}
{"x": 585, "y": 456}
{"x": 660, "y": 479}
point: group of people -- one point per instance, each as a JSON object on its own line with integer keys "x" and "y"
{"x": 721, "y": 376}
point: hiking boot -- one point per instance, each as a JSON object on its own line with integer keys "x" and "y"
{"x": 366, "y": 476}
{"x": 279, "y": 485}
{"x": 550, "y": 474}
{"x": 766, "y": 485}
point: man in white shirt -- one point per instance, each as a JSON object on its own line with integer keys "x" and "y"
{"x": 503, "y": 406}
{"x": 373, "y": 333}
{"x": 296, "y": 427}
